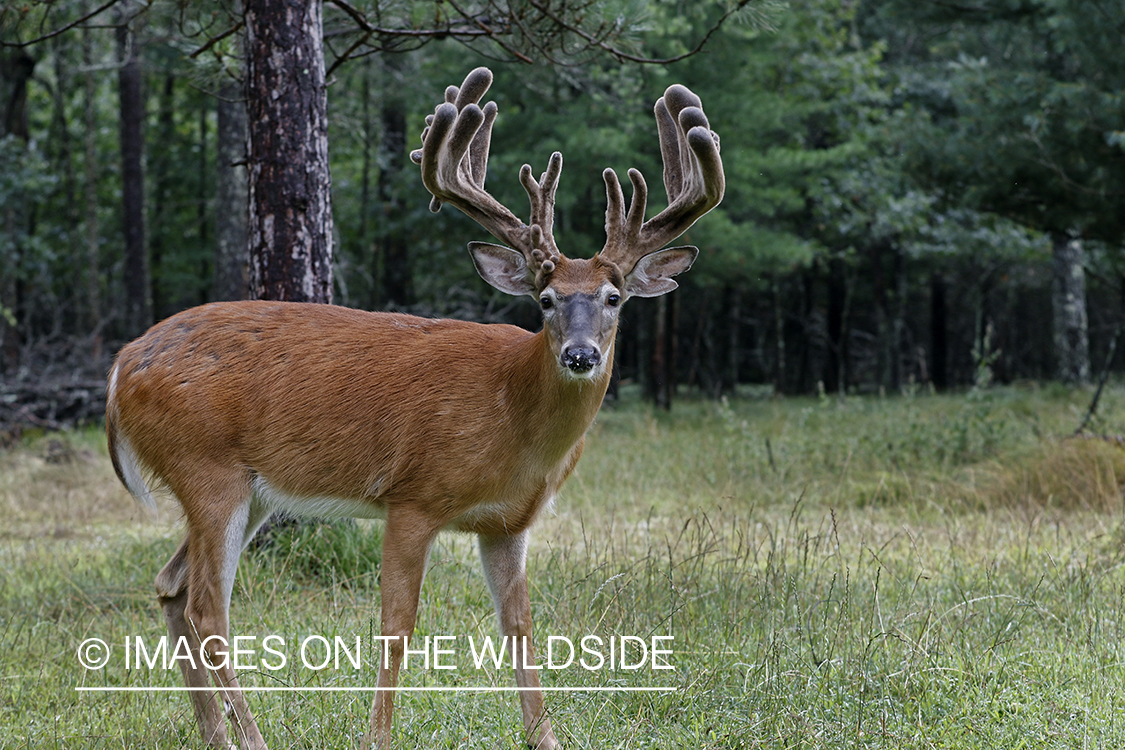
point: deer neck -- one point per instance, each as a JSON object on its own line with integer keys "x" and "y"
{"x": 563, "y": 406}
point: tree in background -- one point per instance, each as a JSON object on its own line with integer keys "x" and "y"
{"x": 230, "y": 279}
{"x": 16, "y": 68}
{"x": 138, "y": 284}
{"x": 799, "y": 108}
{"x": 290, "y": 230}
{"x": 1023, "y": 112}
{"x": 878, "y": 231}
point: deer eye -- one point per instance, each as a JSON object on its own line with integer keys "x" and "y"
{"x": 545, "y": 302}
{"x": 613, "y": 300}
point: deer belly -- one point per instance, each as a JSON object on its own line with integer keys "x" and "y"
{"x": 502, "y": 517}
{"x": 316, "y": 506}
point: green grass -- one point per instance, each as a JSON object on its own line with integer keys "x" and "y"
{"x": 933, "y": 571}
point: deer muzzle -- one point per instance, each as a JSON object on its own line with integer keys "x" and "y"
{"x": 581, "y": 358}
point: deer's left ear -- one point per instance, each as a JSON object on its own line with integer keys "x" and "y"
{"x": 652, "y": 276}
{"x": 503, "y": 268}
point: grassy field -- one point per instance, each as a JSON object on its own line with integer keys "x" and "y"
{"x": 926, "y": 571}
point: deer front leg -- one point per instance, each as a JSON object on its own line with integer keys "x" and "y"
{"x": 505, "y": 568}
{"x": 406, "y": 545}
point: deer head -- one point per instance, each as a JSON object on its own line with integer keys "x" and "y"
{"x": 580, "y": 298}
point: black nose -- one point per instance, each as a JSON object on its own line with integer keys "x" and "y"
{"x": 581, "y": 358}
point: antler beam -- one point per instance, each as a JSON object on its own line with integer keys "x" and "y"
{"x": 454, "y": 160}
{"x": 693, "y": 178}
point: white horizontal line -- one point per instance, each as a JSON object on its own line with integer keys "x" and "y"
{"x": 453, "y": 689}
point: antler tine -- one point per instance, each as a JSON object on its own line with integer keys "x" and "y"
{"x": 619, "y": 224}
{"x": 482, "y": 142}
{"x": 541, "y": 192}
{"x": 544, "y": 254}
{"x": 454, "y": 156}
{"x": 670, "y": 154}
{"x": 693, "y": 178}
{"x": 454, "y": 160}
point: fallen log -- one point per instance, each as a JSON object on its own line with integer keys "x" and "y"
{"x": 49, "y": 405}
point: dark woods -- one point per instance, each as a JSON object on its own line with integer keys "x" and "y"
{"x": 919, "y": 195}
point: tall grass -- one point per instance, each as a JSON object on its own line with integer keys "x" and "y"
{"x": 919, "y": 572}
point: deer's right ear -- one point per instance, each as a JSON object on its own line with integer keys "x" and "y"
{"x": 503, "y": 268}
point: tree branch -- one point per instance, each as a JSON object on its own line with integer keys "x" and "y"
{"x": 621, "y": 54}
{"x": 373, "y": 30}
{"x": 215, "y": 40}
{"x": 62, "y": 29}
{"x": 472, "y": 27}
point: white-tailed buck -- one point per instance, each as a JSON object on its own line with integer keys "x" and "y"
{"x": 240, "y": 409}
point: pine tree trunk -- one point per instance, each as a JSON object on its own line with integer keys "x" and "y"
{"x": 657, "y": 387}
{"x": 939, "y": 337}
{"x": 398, "y": 281}
{"x": 779, "y": 343}
{"x": 663, "y": 386}
{"x": 91, "y": 314}
{"x": 138, "y": 302}
{"x": 16, "y": 68}
{"x": 290, "y": 227}
{"x": 9, "y": 332}
{"x": 898, "y": 320}
{"x": 161, "y": 178}
{"x": 734, "y": 337}
{"x": 65, "y": 163}
{"x": 367, "y": 249}
{"x": 230, "y": 272}
{"x": 202, "y": 196}
{"x": 1068, "y": 300}
{"x": 834, "y": 370}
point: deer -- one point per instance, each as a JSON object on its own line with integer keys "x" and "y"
{"x": 241, "y": 409}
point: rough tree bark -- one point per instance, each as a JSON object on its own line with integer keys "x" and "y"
{"x": 138, "y": 302}
{"x": 290, "y": 226}
{"x": 1068, "y": 300}
{"x": 232, "y": 192}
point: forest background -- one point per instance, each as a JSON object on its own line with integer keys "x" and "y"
{"x": 918, "y": 193}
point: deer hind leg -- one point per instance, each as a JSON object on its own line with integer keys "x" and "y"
{"x": 195, "y": 589}
{"x": 505, "y": 568}
{"x": 406, "y": 546}
{"x": 172, "y": 590}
